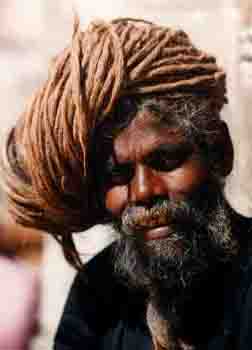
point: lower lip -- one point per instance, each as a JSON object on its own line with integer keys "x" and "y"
{"x": 157, "y": 233}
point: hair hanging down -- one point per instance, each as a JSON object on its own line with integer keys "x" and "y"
{"x": 47, "y": 178}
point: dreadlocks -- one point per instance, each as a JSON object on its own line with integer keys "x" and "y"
{"x": 47, "y": 175}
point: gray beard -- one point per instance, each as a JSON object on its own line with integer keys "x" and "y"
{"x": 203, "y": 238}
{"x": 169, "y": 270}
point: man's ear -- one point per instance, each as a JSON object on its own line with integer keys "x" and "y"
{"x": 224, "y": 147}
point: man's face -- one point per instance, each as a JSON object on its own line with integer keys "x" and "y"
{"x": 150, "y": 161}
{"x": 159, "y": 191}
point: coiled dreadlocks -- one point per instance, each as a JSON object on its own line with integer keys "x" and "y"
{"x": 47, "y": 177}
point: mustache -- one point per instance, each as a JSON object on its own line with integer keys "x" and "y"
{"x": 162, "y": 212}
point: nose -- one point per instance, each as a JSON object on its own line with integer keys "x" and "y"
{"x": 145, "y": 185}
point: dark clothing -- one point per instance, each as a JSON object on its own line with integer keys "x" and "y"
{"x": 102, "y": 314}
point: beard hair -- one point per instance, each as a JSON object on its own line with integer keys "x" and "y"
{"x": 169, "y": 270}
{"x": 201, "y": 236}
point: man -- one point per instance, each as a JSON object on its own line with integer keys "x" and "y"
{"x": 127, "y": 130}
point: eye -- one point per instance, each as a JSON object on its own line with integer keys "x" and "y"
{"x": 164, "y": 163}
{"x": 118, "y": 174}
{"x": 162, "y": 160}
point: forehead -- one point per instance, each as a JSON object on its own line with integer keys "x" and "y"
{"x": 144, "y": 133}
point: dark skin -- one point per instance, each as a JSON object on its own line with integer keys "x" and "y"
{"x": 151, "y": 160}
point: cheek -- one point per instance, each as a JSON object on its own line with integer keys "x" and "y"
{"x": 116, "y": 199}
{"x": 187, "y": 179}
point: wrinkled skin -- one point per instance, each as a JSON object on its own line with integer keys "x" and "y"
{"x": 153, "y": 178}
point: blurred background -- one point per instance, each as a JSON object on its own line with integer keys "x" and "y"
{"x": 32, "y": 32}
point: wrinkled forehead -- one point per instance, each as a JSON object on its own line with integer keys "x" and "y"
{"x": 155, "y": 109}
{"x": 135, "y": 124}
{"x": 142, "y": 138}
{"x": 164, "y": 114}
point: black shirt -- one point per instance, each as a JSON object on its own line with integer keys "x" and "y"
{"x": 102, "y": 314}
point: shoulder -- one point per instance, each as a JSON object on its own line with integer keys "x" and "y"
{"x": 92, "y": 305}
{"x": 242, "y": 306}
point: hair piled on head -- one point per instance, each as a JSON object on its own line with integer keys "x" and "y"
{"x": 48, "y": 181}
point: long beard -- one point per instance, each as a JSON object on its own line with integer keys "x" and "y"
{"x": 169, "y": 270}
{"x": 201, "y": 236}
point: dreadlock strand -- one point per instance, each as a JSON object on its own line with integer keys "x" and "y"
{"x": 144, "y": 64}
{"x": 112, "y": 83}
{"x": 184, "y": 69}
{"x": 96, "y": 68}
{"x": 144, "y": 51}
{"x": 185, "y": 85}
{"x": 181, "y": 59}
{"x": 102, "y": 69}
{"x": 77, "y": 93}
{"x": 118, "y": 69}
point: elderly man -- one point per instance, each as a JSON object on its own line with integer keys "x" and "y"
{"x": 127, "y": 130}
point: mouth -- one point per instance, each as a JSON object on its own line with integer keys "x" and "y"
{"x": 157, "y": 233}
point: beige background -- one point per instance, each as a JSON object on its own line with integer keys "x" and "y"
{"x": 31, "y": 32}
